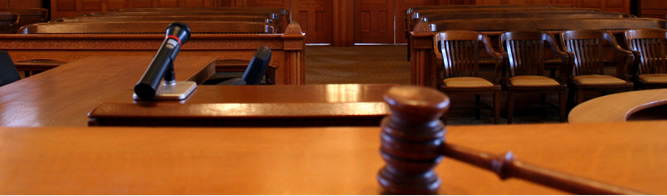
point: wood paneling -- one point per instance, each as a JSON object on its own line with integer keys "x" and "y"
{"x": 315, "y": 18}
{"x": 20, "y": 4}
{"x": 375, "y": 21}
{"x": 606, "y": 5}
{"x": 341, "y": 22}
{"x": 91, "y": 5}
{"x": 653, "y": 9}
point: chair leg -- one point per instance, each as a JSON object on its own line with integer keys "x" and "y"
{"x": 478, "y": 107}
{"x": 496, "y": 107}
{"x": 510, "y": 106}
{"x": 563, "y": 105}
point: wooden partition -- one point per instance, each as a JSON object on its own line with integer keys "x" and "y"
{"x": 252, "y": 106}
{"x": 287, "y": 48}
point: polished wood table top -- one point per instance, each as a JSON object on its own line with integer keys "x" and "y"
{"x": 342, "y": 160}
{"x": 617, "y": 107}
{"x": 260, "y": 105}
{"x": 64, "y": 95}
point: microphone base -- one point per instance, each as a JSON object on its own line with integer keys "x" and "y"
{"x": 176, "y": 91}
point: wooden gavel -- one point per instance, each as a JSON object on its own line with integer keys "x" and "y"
{"x": 413, "y": 143}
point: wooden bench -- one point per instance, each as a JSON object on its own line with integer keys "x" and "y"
{"x": 8, "y": 22}
{"x": 181, "y": 18}
{"x": 539, "y": 14}
{"x": 287, "y": 58}
{"x": 148, "y": 27}
{"x": 424, "y": 67}
{"x": 417, "y": 15}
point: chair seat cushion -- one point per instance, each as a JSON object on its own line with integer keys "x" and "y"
{"x": 653, "y": 78}
{"x": 597, "y": 79}
{"x": 467, "y": 82}
{"x": 533, "y": 81}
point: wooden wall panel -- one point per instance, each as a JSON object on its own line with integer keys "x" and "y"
{"x": 91, "y": 5}
{"x": 142, "y": 3}
{"x": 116, "y": 4}
{"x": 167, "y": 3}
{"x": 315, "y": 18}
{"x": 22, "y": 3}
{"x": 606, "y": 5}
{"x": 376, "y": 21}
{"x": 653, "y": 8}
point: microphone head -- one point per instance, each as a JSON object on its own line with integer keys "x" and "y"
{"x": 180, "y": 30}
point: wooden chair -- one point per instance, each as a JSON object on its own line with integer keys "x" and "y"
{"x": 459, "y": 53}
{"x": 524, "y": 68}
{"x": 650, "y": 68}
{"x": 29, "y": 15}
{"x": 587, "y": 56}
{"x": 8, "y": 22}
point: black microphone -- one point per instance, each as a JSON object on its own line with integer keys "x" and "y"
{"x": 162, "y": 63}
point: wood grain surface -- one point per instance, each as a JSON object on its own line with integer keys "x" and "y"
{"x": 311, "y": 160}
{"x": 64, "y": 95}
{"x": 617, "y": 107}
{"x": 282, "y": 105}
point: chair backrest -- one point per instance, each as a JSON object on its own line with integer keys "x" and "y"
{"x": 525, "y": 51}
{"x": 649, "y": 44}
{"x": 459, "y": 52}
{"x": 8, "y": 22}
{"x": 8, "y": 72}
{"x": 587, "y": 49}
{"x": 257, "y": 67}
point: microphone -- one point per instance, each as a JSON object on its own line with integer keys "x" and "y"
{"x": 162, "y": 63}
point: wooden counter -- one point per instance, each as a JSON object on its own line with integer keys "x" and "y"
{"x": 342, "y": 160}
{"x": 617, "y": 107}
{"x": 252, "y": 106}
{"x": 64, "y": 95}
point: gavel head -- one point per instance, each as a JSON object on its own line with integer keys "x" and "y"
{"x": 411, "y": 137}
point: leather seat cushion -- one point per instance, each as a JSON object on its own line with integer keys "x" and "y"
{"x": 467, "y": 82}
{"x": 598, "y": 79}
{"x": 654, "y": 78}
{"x": 533, "y": 81}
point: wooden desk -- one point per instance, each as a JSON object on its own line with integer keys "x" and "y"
{"x": 342, "y": 160}
{"x": 617, "y": 107}
{"x": 64, "y": 95}
{"x": 283, "y": 105}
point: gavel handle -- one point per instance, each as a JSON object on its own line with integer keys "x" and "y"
{"x": 506, "y": 166}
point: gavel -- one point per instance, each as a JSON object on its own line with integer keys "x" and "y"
{"x": 413, "y": 143}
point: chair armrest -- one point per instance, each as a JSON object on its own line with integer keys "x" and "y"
{"x": 436, "y": 48}
{"x": 499, "y": 68}
{"x": 566, "y": 58}
{"x": 626, "y": 57}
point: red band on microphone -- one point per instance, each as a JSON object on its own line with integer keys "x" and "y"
{"x": 176, "y": 38}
